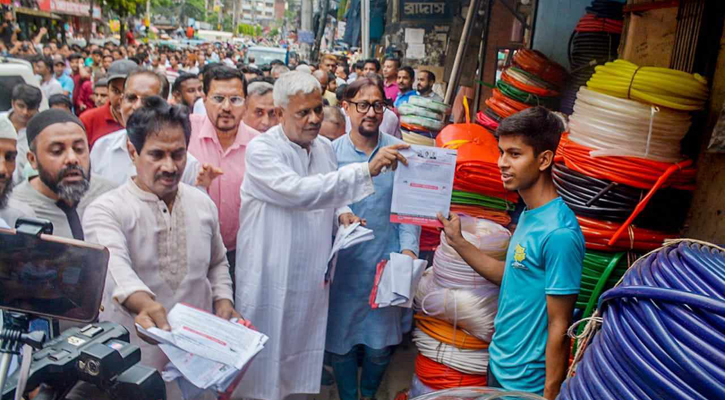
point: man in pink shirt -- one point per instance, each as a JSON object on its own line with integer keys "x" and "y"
{"x": 390, "y": 73}
{"x": 220, "y": 139}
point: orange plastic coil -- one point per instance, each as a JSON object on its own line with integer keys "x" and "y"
{"x": 528, "y": 88}
{"x": 511, "y": 102}
{"x": 536, "y": 63}
{"x": 499, "y": 217}
{"x": 438, "y": 376}
{"x": 499, "y": 107}
{"x": 444, "y": 332}
{"x": 598, "y": 233}
{"x": 632, "y": 171}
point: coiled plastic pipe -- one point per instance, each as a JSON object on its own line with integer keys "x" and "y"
{"x": 663, "y": 331}
{"x": 659, "y": 86}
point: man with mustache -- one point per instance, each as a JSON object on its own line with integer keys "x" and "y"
{"x": 63, "y": 188}
{"x": 110, "y": 155}
{"x": 220, "y": 139}
{"x": 293, "y": 195}
{"x": 106, "y": 118}
{"x": 163, "y": 235}
{"x": 187, "y": 90}
{"x": 10, "y": 210}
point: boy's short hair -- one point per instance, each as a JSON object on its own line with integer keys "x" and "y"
{"x": 539, "y": 128}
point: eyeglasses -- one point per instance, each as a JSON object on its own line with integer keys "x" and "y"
{"x": 233, "y": 100}
{"x": 378, "y": 107}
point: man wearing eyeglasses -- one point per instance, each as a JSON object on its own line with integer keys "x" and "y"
{"x": 220, "y": 139}
{"x": 110, "y": 157}
{"x": 352, "y": 325}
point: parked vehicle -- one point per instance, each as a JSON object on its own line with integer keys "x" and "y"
{"x": 12, "y": 72}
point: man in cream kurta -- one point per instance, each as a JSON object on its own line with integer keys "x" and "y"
{"x": 175, "y": 256}
{"x": 292, "y": 193}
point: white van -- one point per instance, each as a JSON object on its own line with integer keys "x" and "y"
{"x": 12, "y": 72}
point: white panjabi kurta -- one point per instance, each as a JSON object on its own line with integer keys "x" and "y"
{"x": 175, "y": 256}
{"x": 289, "y": 199}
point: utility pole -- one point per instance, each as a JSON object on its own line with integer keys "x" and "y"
{"x": 219, "y": 15}
{"x": 461, "y": 52}
{"x": 235, "y": 16}
{"x": 306, "y": 26}
{"x": 320, "y": 30}
{"x": 147, "y": 22}
{"x": 88, "y": 35}
{"x": 365, "y": 27}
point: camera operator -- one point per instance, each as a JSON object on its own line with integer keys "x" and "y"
{"x": 163, "y": 235}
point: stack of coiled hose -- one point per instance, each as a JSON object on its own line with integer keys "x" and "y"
{"x": 421, "y": 119}
{"x": 455, "y": 309}
{"x": 617, "y": 178}
{"x": 532, "y": 80}
{"x": 595, "y": 41}
{"x": 662, "y": 330}
{"x": 621, "y": 127}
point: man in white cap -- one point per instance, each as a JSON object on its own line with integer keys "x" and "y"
{"x": 10, "y": 210}
{"x": 63, "y": 187}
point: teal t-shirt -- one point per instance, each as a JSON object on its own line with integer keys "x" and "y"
{"x": 544, "y": 258}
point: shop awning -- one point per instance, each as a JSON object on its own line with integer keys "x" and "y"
{"x": 36, "y": 13}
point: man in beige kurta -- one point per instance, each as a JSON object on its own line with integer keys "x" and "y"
{"x": 163, "y": 235}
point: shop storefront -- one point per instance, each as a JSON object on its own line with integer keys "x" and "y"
{"x": 76, "y": 16}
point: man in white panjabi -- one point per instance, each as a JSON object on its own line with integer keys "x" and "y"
{"x": 163, "y": 235}
{"x": 292, "y": 193}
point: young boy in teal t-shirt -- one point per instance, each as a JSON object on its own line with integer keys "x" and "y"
{"x": 541, "y": 275}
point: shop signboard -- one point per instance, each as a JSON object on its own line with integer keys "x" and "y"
{"x": 432, "y": 10}
{"x": 69, "y": 8}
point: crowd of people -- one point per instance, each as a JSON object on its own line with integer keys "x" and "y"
{"x": 219, "y": 183}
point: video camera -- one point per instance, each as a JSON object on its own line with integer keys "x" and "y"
{"x": 48, "y": 276}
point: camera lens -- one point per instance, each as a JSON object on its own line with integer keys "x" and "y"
{"x": 94, "y": 368}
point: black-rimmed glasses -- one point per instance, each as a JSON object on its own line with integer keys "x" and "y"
{"x": 364, "y": 107}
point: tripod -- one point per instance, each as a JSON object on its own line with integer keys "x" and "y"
{"x": 13, "y": 336}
